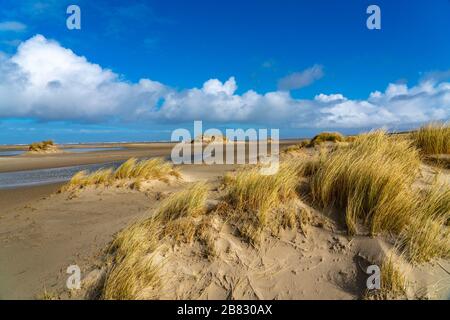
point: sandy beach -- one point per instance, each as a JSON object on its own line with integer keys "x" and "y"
{"x": 43, "y": 231}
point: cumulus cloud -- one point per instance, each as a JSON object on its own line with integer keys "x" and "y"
{"x": 13, "y": 26}
{"x": 47, "y": 82}
{"x": 302, "y": 79}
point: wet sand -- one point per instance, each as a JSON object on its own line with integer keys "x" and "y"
{"x": 138, "y": 150}
{"x": 30, "y": 162}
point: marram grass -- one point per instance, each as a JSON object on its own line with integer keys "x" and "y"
{"x": 136, "y": 266}
{"x": 370, "y": 179}
{"x": 433, "y": 138}
{"x": 255, "y": 201}
{"x": 132, "y": 170}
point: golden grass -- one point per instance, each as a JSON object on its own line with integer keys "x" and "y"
{"x": 326, "y": 136}
{"x": 433, "y": 138}
{"x": 297, "y": 147}
{"x": 187, "y": 203}
{"x": 132, "y": 170}
{"x": 252, "y": 197}
{"x": 393, "y": 282}
{"x": 425, "y": 240}
{"x": 41, "y": 146}
{"x": 428, "y": 234}
{"x": 370, "y": 179}
{"x": 257, "y": 193}
{"x": 136, "y": 265}
{"x": 134, "y": 269}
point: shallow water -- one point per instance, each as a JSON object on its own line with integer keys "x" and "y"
{"x": 11, "y": 153}
{"x": 17, "y": 179}
{"x": 77, "y": 150}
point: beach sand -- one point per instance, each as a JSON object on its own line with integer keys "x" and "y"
{"x": 42, "y": 232}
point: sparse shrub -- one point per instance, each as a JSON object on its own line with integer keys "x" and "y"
{"x": 433, "y": 138}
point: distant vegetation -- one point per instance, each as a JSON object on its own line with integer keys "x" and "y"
{"x": 326, "y": 137}
{"x": 43, "y": 146}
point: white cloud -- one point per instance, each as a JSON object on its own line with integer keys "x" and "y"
{"x": 13, "y": 26}
{"x": 48, "y": 82}
{"x": 302, "y": 79}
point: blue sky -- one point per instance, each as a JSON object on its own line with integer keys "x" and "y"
{"x": 152, "y": 66}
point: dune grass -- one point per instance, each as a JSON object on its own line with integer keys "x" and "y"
{"x": 428, "y": 234}
{"x": 393, "y": 282}
{"x": 297, "y": 147}
{"x": 433, "y": 138}
{"x": 370, "y": 180}
{"x": 252, "y": 199}
{"x": 136, "y": 264}
{"x": 425, "y": 240}
{"x": 326, "y": 137}
{"x": 134, "y": 271}
{"x": 131, "y": 170}
{"x": 183, "y": 212}
{"x": 186, "y": 203}
{"x": 42, "y": 146}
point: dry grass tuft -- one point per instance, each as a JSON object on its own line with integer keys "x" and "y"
{"x": 428, "y": 234}
{"x": 297, "y": 147}
{"x": 134, "y": 272}
{"x": 433, "y": 138}
{"x": 370, "y": 179}
{"x": 393, "y": 282}
{"x": 132, "y": 170}
{"x": 326, "y": 137}
{"x": 425, "y": 240}
{"x": 190, "y": 202}
{"x": 136, "y": 263}
{"x": 42, "y": 146}
{"x": 252, "y": 199}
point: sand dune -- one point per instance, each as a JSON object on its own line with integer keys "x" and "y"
{"x": 43, "y": 231}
